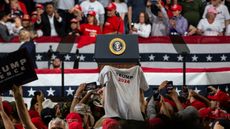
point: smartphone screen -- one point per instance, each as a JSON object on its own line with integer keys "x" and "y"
{"x": 91, "y": 86}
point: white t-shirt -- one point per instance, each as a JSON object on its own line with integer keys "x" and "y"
{"x": 210, "y": 29}
{"x": 143, "y": 30}
{"x": 122, "y": 91}
{"x": 65, "y": 4}
{"x": 121, "y": 7}
{"x": 227, "y": 33}
{"x": 222, "y": 13}
{"x": 92, "y": 6}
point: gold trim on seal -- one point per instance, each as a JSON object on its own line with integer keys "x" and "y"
{"x": 120, "y": 44}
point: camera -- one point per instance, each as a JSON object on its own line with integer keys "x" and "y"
{"x": 167, "y": 89}
{"x": 91, "y": 86}
{"x": 132, "y": 25}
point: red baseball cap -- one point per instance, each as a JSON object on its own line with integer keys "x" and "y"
{"x": 77, "y": 7}
{"x": 37, "y": 121}
{"x": 176, "y": 7}
{"x": 73, "y": 117}
{"x": 75, "y": 125}
{"x": 74, "y": 20}
{"x": 111, "y": 6}
{"x": 92, "y": 13}
{"x": 39, "y": 6}
{"x": 220, "y": 96}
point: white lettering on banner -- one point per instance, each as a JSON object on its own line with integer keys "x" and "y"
{"x": 12, "y": 69}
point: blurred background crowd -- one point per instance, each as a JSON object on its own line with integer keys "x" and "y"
{"x": 91, "y": 17}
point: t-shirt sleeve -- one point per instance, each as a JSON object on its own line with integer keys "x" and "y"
{"x": 226, "y": 13}
{"x": 143, "y": 83}
{"x": 199, "y": 26}
{"x": 104, "y": 75}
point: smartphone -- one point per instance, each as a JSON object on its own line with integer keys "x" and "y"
{"x": 167, "y": 89}
{"x": 169, "y": 86}
{"x": 91, "y": 86}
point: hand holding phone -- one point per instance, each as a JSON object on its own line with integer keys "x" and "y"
{"x": 91, "y": 86}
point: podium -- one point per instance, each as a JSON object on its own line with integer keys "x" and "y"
{"x": 120, "y": 51}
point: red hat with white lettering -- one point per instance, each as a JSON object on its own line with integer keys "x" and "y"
{"x": 111, "y": 6}
{"x": 92, "y": 13}
{"x": 39, "y": 6}
{"x": 74, "y": 20}
{"x": 77, "y": 7}
{"x": 176, "y": 7}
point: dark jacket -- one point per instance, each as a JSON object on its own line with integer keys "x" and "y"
{"x": 46, "y": 28}
{"x": 31, "y": 48}
{"x": 4, "y": 33}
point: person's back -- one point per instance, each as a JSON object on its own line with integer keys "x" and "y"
{"x": 27, "y": 43}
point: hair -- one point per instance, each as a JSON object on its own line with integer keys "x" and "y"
{"x": 49, "y": 3}
{"x": 34, "y": 99}
{"x": 94, "y": 20}
{"x": 146, "y": 17}
{"x": 58, "y": 120}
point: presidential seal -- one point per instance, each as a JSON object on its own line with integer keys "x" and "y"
{"x": 117, "y": 46}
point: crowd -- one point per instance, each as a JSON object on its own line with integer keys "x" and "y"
{"x": 91, "y": 17}
{"x": 119, "y": 103}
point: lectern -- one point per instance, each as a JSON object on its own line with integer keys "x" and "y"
{"x": 120, "y": 51}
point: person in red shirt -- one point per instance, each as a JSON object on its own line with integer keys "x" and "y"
{"x": 114, "y": 24}
{"x": 90, "y": 28}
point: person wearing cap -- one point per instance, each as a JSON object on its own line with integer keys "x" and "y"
{"x": 178, "y": 25}
{"x": 94, "y": 5}
{"x": 222, "y": 12}
{"x": 39, "y": 9}
{"x": 74, "y": 24}
{"x": 209, "y": 26}
{"x": 50, "y": 22}
{"x": 90, "y": 28}
{"x": 113, "y": 24}
{"x": 26, "y": 22}
{"x": 77, "y": 13}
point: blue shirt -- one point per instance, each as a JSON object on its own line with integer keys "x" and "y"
{"x": 181, "y": 25}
